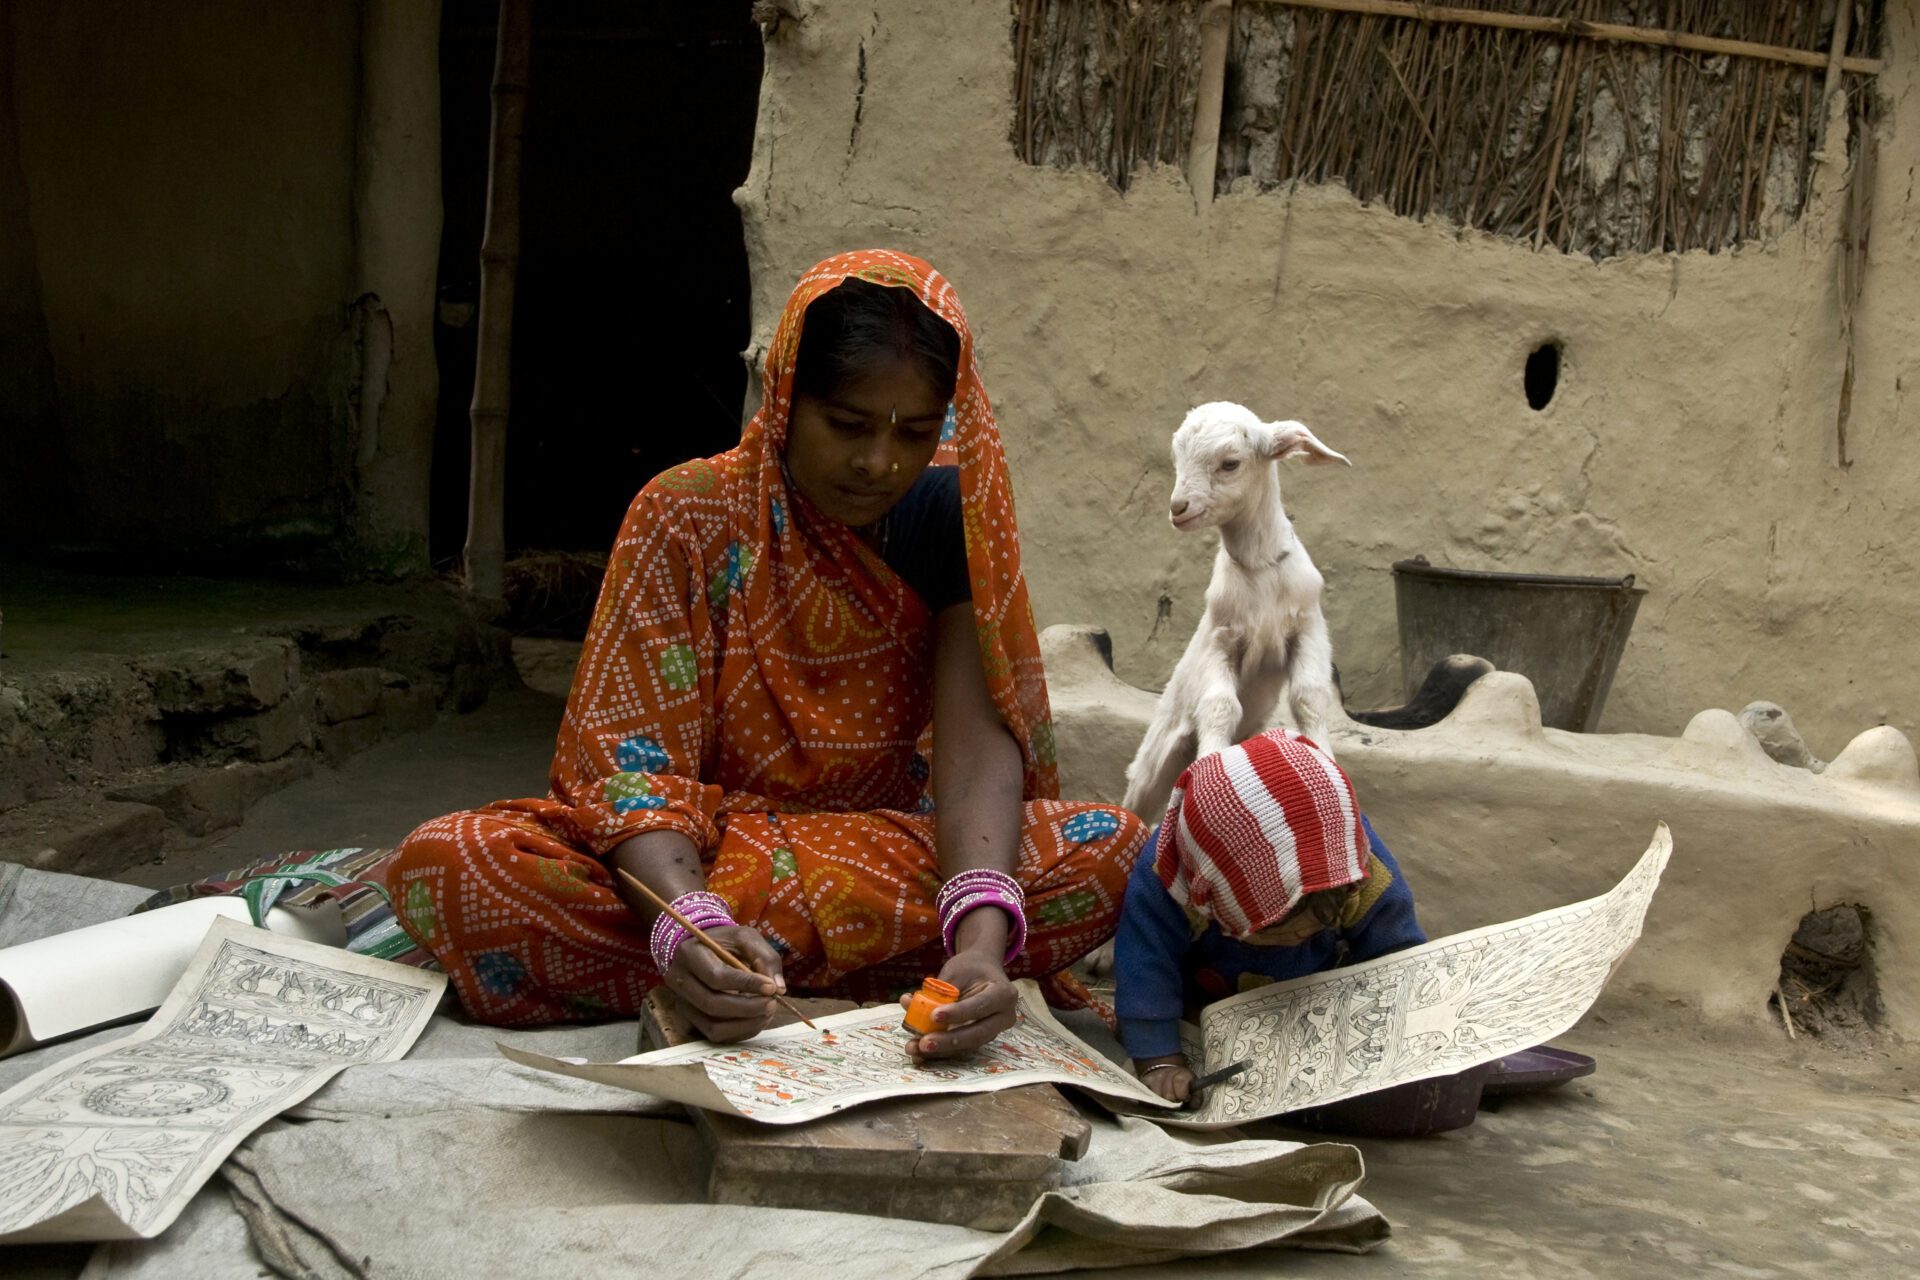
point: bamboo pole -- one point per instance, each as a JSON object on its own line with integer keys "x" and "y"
{"x": 1837, "y": 54}
{"x": 1854, "y": 217}
{"x": 1216, "y": 26}
{"x": 1584, "y": 29}
{"x": 486, "y": 549}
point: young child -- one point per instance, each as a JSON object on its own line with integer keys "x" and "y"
{"x": 1263, "y": 869}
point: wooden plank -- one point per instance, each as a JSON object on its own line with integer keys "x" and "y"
{"x": 977, "y": 1160}
{"x": 1580, "y": 28}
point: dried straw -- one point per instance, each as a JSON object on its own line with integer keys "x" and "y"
{"x": 1105, "y": 84}
{"x": 1587, "y": 146}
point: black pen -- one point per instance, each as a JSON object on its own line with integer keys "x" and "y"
{"x": 1215, "y": 1077}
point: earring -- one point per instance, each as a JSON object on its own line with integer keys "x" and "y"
{"x": 893, "y": 418}
{"x": 896, "y": 466}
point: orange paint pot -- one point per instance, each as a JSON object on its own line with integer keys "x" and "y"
{"x": 932, "y": 994}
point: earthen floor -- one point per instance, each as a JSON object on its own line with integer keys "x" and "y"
{"x": 1693, "y": 1150}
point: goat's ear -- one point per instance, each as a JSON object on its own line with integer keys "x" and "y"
{"x": 1293, "y": 440}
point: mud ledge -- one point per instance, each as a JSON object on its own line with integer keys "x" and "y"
{"x": 143, "y": 713}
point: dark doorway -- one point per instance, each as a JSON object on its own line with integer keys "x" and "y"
{"x": 632, "y": 293}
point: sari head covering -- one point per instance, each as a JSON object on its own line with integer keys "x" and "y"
{"x": 749, "y": 653}
{"x": 1252, "y": 830}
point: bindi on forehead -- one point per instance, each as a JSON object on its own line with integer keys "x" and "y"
{"x": 886, "y": 412}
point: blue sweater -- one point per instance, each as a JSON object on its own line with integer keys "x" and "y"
{"x": 1165, "y": 960}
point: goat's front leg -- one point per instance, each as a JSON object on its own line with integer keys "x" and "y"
{"x": 1163, "y": 753}
{"x": 1216, "y": 710}
{"x": 1311, "y": 693}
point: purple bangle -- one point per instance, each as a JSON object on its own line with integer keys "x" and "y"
{"x": 983, "y": 888}
{"x": 705, "y": 910}
{"x": 1016, "y": 921}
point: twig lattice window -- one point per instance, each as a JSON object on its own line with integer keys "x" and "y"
{"x": 1588, "y": 146}
{"x": 1105, "y": 84}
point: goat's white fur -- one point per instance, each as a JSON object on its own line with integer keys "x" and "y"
{"x": 1262, "y": 632}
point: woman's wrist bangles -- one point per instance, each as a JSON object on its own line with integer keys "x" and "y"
{"x": 983, "y": 888}
{"x": 705, "y": 910}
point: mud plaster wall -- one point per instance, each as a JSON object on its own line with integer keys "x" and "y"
{"x": 180, "y": 205}
{"x": 1691, "y": 441}
{"x": 1495, "y": 818}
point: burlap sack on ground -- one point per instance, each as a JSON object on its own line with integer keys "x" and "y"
{"x": 455, "y": 1161}
{"x": 502, "y": 1193}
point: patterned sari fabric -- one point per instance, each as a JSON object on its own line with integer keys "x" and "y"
{"x": 758, "y": 680}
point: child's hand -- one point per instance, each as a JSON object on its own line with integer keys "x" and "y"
{"x": 1168, "y": 1076}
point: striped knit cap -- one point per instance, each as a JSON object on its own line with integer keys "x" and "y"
{"x": 1252, "y": 830}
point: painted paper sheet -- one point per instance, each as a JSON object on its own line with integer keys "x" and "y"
{"x": 790, "y": 1074}
{"x": 121, "y": 968}
{"x": 111, "y": 1144}
{"x": 1431, "y": 1010}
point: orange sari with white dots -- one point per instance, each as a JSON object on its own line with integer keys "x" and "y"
{"x": 756, "y": 678}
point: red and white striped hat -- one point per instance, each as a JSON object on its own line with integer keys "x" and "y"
{"x": 1252, "y": 830}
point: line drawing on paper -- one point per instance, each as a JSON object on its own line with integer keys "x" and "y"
{"x": 1431, "y": 1010}
{"x": 789, "y": 1075}
{"x": 804, "y": 1070}
{"x": 149, "y": 1097}
{"x": 257, "y": 1023}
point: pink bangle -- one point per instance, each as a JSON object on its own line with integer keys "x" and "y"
{"x": 983, "y": 888}
{"x": 1016, "y": 921}
{"x": 705, "y": 910}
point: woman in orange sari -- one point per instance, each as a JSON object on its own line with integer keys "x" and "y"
{"x": 779, "y": 629}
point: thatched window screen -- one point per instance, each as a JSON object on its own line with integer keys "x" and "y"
{"x": 1105, "y": 84}
{"x": 1588, "y": 146}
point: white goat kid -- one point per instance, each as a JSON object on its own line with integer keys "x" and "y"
{"x": 1262, "y": 631}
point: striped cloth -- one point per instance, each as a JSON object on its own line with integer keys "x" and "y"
{"x": 1252, "y": 830}
{"x": 348, "y": 878}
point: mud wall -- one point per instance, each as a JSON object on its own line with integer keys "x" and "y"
{"x": 1495, "y": 817}
{"x": 178, "y": 188}
{"x": 1691, "y": 441}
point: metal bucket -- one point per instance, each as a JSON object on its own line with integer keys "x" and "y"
{"x": 1564, "y": 634}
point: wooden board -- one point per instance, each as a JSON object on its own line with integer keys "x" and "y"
{"x": 976, "y": 1160}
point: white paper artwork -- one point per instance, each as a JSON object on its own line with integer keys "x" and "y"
{"x": 1431, "y": 1010}
{"x": 111, "y": 1144}
{"x": 118, "y": 969}
{"x": 790, "y": 1074}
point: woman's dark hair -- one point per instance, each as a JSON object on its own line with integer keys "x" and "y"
{"x": 857, "y": 327}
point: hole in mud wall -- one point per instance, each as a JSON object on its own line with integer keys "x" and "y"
{"x": 632, "y": 294}
{"x": 1828, "y": 988}
{"x": 1542, "y": 376}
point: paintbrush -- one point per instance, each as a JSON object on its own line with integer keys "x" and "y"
{"x": 711, "y": 945}
{"x": 1213, "y": 1078}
